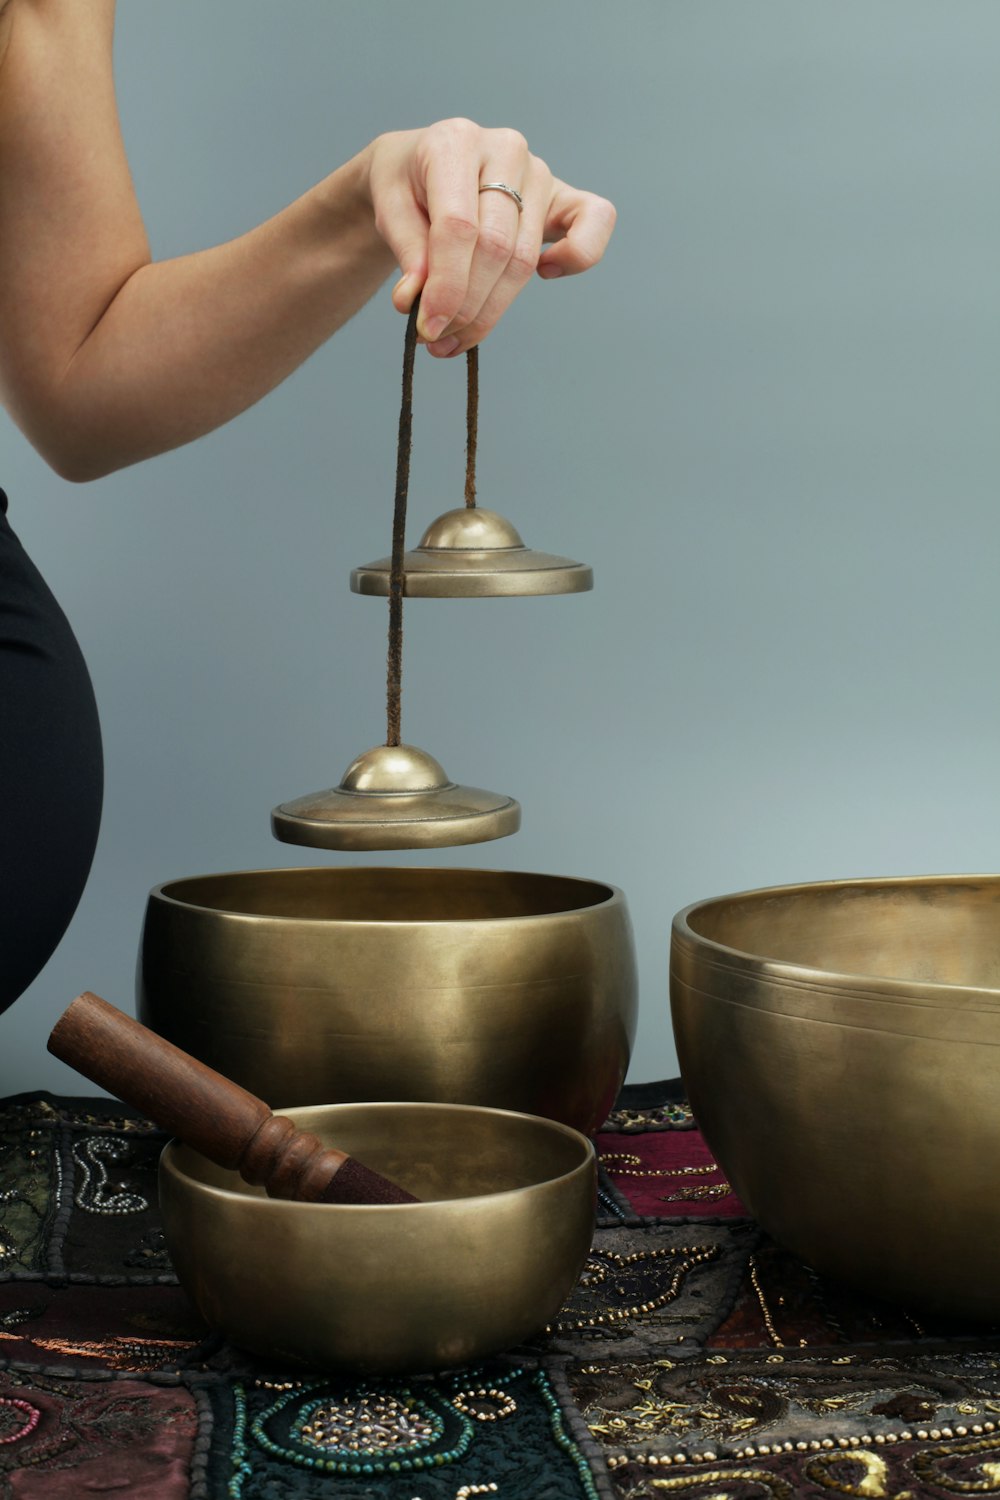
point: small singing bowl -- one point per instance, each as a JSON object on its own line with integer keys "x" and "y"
{"x": 484, "y": 1261}
{"x": 506, "y": 989}
{"x": 840, "y": 1047}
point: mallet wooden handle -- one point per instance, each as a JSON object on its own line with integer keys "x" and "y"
{"x": 218, "y": 1118}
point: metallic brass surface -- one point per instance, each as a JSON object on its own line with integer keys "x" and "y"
{"x": 482, "y": 1263}
{"x": 475, "y": 553}
{"x": 483, "y": 987}
{"x": 395, "y": 797}
{"x": 840, "y": 1044}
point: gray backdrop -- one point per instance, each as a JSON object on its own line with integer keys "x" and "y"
{"x": 769, "y": 419}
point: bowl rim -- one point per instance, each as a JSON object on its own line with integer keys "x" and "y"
{"x": 881, "y": 986}
{"x": 168, "y": 1161}
{"x": 613, "y": 896}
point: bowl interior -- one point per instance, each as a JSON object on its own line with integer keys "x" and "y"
{"x": 439, "y": 1152}
{"x": 387, "y": 895}
{"x": 935, "y": 930}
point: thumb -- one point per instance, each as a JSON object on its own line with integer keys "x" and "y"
{"x": 407, "y": 288}
{"x": 403, "y": 225}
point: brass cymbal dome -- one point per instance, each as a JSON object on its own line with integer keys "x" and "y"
{"x": 470, "y": 529}
{"x": 471, "y": 552}
{"x": 395, "y": 797}
{"x": 394, "y": 769}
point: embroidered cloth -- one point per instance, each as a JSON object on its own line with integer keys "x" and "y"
{"x": 694, "y": 1357}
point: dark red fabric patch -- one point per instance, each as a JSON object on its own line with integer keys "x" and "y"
{"x": 64, "y": 1438}
{"x": 657, "y": 1183}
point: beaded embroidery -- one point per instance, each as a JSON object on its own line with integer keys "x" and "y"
{"x": 677, "y": 1260}
{"x": 369, "y": 1426}
{"x": 96, "y": 1194}
{"x": 406, "y": 1434}
{"x": 658, "y": 1117}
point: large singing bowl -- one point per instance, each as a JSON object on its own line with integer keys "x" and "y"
{"x": 485, "y": 987}
{"x": 840, "y": 1046}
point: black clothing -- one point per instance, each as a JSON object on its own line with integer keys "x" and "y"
{"x": 51, "y": 769}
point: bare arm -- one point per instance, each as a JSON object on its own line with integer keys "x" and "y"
{"x": 107, "y": 357}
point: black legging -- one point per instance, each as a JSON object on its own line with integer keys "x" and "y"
{"x": 51, "y": 769}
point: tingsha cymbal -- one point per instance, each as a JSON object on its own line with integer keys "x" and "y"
{"x": 395, "y": 797}
{"x": 475, "y": 553}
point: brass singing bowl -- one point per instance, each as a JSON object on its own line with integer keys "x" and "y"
{"x": 840, "y": 1046}
{"x": 485, "y": 987}
{"x": 482, "y": 1263}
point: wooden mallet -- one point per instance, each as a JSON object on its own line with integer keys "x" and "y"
{"x": 230, "y": 1126}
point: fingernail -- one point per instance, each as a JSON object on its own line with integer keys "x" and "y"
{"x": 433, "y": 328}
{"x": 444, "y": 347}
{"x": 550, "y": 272}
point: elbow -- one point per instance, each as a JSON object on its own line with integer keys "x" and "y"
{"x": 71, "y": 462}
{"x": 73, "y": 445}
{"x": 93, "y": 451}
{"x": 81, "y": 428}
{"x": 78, "y": 466}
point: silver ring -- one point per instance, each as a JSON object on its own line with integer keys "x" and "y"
{"x": 504, "y": 187}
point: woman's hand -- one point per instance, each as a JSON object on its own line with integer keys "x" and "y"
{"x": 470, "y": 252}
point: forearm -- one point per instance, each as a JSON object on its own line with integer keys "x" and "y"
{"x": 187, "y": 344}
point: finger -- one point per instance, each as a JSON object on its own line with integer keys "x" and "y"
{"x": 406, "y": 290}
{"x": 516, "y": 274}
{"x": 451, "y": 186}
{"x": 403, "y": 225}
{"x": 500, "y": 228}
{"x": 580, "y": 224}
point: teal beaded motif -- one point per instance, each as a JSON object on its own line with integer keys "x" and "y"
{"x": 563, "y": 1438}
{"x": 366, "y": 1432}
{"x": 488, "y": 1430}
